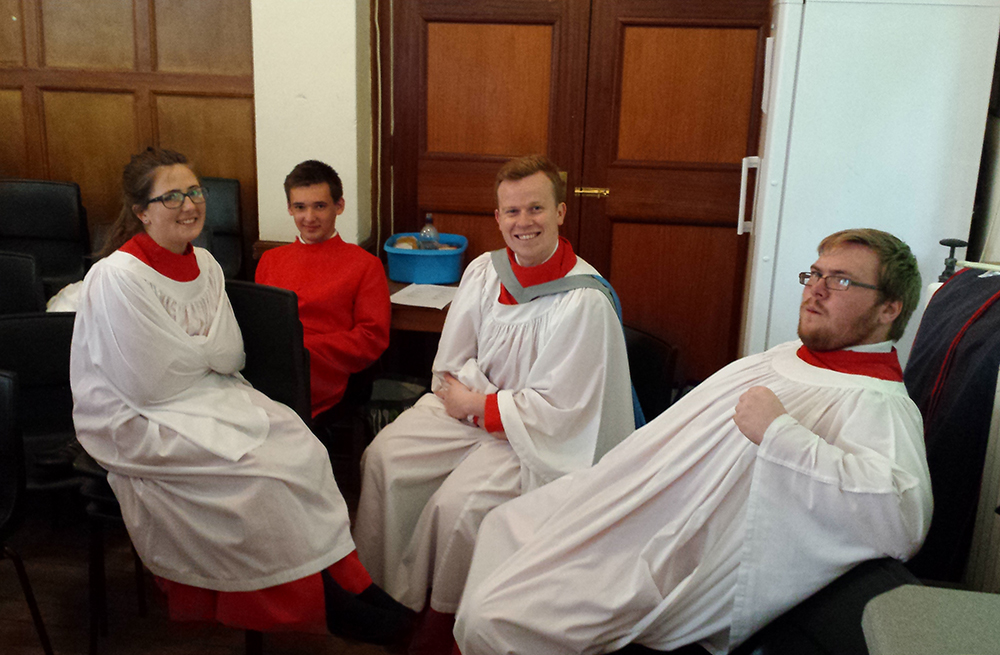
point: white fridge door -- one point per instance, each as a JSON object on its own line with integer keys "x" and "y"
{"x": 779, "y": 84}
{"x": 885, "y": 130}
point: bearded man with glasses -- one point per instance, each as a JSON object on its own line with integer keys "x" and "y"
{"x": 759, "y": 487}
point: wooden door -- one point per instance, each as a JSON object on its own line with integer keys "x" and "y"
{"x": 657, "y": 100}
{"x": 475, "y": 84}
{"x": 674, "y": 92}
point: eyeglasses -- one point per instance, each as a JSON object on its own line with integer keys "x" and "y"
{"x": 832, "y": 282}
{"x": 174, "y": 199}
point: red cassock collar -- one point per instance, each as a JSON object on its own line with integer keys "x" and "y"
{"x": 180, "y": 268}
{"x": 884, "y": 366}
{"x": 557, "y": 266}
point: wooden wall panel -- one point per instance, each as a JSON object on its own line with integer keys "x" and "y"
{"x": 677, "y": 298}
{"x": 89, "y": 138}
{"x": 693, "y": 106}
{"x": 194, "y": 36}
{"x": 11, "y": 33}
{"x": 12, "y": 146}
{"x": 480, "y": 229}
{"x": 81, "y": 97}
{"x": 93, "y": 34}
{"x": 217, "y": 136}
{"x": 470, "y": 70}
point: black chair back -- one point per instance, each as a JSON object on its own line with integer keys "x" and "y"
{"x": 651, "y": 363}
{"x": 11, "y": 457}
{"x": 37, "y": 347}
{"x": 21, "y": 291}
{"x": 223, "y": 233}
{"x": 277, "y": 362}
{"x": 12, "y": 488}
{"x": 47, "y": 220}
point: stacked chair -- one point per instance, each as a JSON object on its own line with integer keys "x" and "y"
{"x": 223, "y": 232}
{"x": 12, "y": 492}
{"x": 47, "y": 221}
{"x": 36, "y": 346}
{"x": 21, "y": 291}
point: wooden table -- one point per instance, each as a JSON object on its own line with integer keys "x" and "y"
{"x": 415, "y": 319}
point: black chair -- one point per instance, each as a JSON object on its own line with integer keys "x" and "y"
{"x": 12, "y": 492}
{"x": 37, "y": 348}
{"x": 103, "y": 510}
{"x": 652, "y": 363}
{"x": 21, "y": 291}
{"x": 47, "y": 220}
{"x": 277, "y": 365}
{"x": 343, "y": 430}
{"x": 277, "y": 362}
{"x": 826, "y": 623}
{"x": 223, "y": 233}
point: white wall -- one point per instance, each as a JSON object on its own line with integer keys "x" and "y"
{"x": 312, "y": 98}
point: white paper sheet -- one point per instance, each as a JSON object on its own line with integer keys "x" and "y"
{"x": 424, "y": 295}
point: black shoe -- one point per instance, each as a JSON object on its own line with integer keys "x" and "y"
{"x": 61, "y": 457}
{"x": 371, "y": 616}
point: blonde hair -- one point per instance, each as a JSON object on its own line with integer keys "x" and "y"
{"x": 522, "y": 167}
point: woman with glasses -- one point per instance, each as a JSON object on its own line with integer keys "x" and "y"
{"x": 228, "y": 498}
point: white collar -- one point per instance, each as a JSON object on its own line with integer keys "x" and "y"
{"x": 518, "y": 259}
{"x": 298, "y": 238}
{"x": 881, "y": 347}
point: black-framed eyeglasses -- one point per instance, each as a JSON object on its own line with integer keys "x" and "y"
{"x": 832, "y": 282}
{"x": 174, "y": 199}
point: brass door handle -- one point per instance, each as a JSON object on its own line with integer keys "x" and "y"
{"x": 591, "y": 192}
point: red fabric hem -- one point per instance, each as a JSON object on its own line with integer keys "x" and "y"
{"x": 299, "y": 605}
{"x": 883, "y": 366}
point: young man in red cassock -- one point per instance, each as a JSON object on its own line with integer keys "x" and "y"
{"x": 342, "y": 290}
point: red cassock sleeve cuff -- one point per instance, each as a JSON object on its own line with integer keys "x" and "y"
{"x": 492, "y": 421}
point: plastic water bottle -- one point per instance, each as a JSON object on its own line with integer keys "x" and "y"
{"x": 429, "y": 237}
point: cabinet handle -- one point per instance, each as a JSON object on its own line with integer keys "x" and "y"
{"x": 591, "y": 192}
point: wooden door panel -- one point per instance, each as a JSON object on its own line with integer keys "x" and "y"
{"x": 668, "y": 280}
{"x": 646, "y": 194}
{"x": 469, "y": 107}
{"x": 456, "y": 186}
{"x": 692, "y": 105}
{"x": 672, "y": 107}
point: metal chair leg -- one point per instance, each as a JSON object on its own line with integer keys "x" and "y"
{"x": 255, "y": 642}
{"x": 29, "y": 595}
{"x": 140, "y": 583}
{"x": 96, "y": 585}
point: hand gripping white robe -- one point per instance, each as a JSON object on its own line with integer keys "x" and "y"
{"x": 688, "y": 532}
{"x": 220, "y": 487}
{"x": 564, "y": 396}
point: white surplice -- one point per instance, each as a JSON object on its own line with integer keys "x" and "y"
{"x": 559, "y": 367}
{"x": 220, "y": 487}
{"x": 688, "y": 532}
